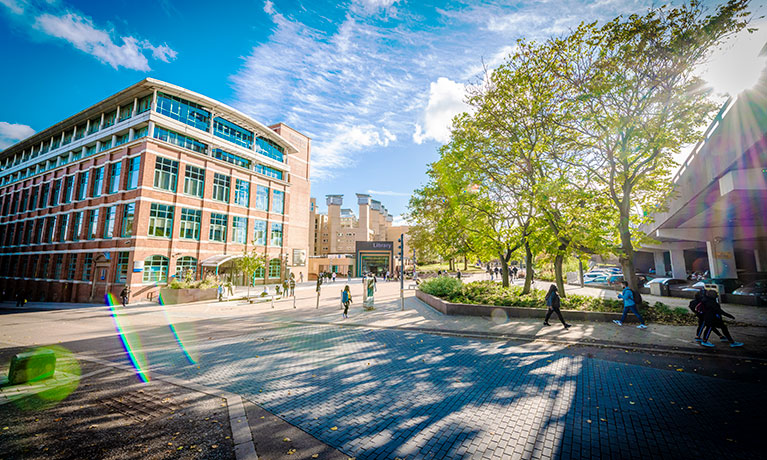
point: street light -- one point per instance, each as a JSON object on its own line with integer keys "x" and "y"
{"x": 401, "y": 241}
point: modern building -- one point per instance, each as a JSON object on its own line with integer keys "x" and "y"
{"x": 343, "y": 242}
{"x": 153, "y": 182}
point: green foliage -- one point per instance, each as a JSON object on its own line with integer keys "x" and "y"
{"x": 441, "y": 286}
{"x": 191, "y": 284}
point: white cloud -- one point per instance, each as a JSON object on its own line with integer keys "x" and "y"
{"x": 162, "y": 53}
{"x": 13, "y": 5}
{"x": 11, "y": 133}
{"x": 446, "y": 100}
{"x": 399, "y": 221}
{"x": 387, "y": 193}
{"x": 338, "y": 151}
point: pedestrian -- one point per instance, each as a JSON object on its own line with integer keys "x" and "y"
{"x": 490, "y": 272}
{"x": 553, "y": 305}
{"x": 696, "y": 306}
{"x": 496, "y": 272}
{"x": 458, "y": 274}
{"x": 439, "y": 272}
{"x": 292, "y": 285}
{"x": 712, "y": 317}
{"x": 124, "y": 294}
{"x": 349, "y": 275}
{"x": 334, "y": 277}
{"x": 220, "y": 293}
{"x": 20, "y": 298}
{"x": 375, "y": 283}
{"x": 301, "y": 277}
{"x": 286, "y": 288}
{"x": 514, "y": 271}
{"x": 346, "y": 299}
{"x": 629, "y": 304}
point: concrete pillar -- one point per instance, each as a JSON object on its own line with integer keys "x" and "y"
{"x": 678, "y": 268}
{"x": 334, "y": 203}
{"x": 363, "y": 225}
{"x": 660, "y": 263}
{"x": 761, "y": 259}
{"x": 721, "y": 258}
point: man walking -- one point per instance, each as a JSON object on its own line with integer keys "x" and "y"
{"x": 629, "y": 304}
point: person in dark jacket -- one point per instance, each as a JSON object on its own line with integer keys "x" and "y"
{"x": 712, "y": 318}
{"x": 696, "y": 306}
{"x": 553, "y": 304}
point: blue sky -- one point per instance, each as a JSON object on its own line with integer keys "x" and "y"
{"x": 374, "y": 83}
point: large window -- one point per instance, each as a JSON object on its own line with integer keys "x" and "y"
{"x": 242, "y": 192}
{"x": 39, "y": 231}
{"x": 221, "y": 185}
{"x": 126, "y": 111}
{"x": 42, "y": 267}
{"x": 82, "y": 186}
{"x": 239, "y": 229}
{"x": 278, "y": 205}
{"x": 232, "y": 132}
{"x": 110, "y": 118}
{"x": 133, "y": 169}
{"x": 24, "y": 199}
{"x": 129, "y": 214}
{"x": 93, "y": 222}
{"x": 69, "y": 185}
{"x": 98, "y": 182}
{"x": 114, "y": 177}
{"x": 63, "y": 226}
{"x": 87, "y": 267}
{"x": 267, "y": 171}
{"x": 231, "y": 158}
{"x": 50, "y": 228}
{"x": 58, "y": 266}
{"x": 156, "y": 269}
{"x": 186, "y": 266}
{"x": 55, "y": 196}
{"x": 77, "y": 226}
{"x": 72, "y": 268}
{"x": 276, "y": 236}
{"x": 43, "y": 196}
{"x": 274, "y": 268}
{"x": 160, "y": 220}
{"x": 184, "y": 111}
{"x": 109, "y": 222}
{"x": 121, "y": 275}
{"x": 144, "y": 104}
{"x": 262, "y": 198}
{"x": 194, "y": 181}
{"x": 259, "y": 233}
{"x": 269, "y": 149}
{"x": 218, "y": 226}
{"x": 179, "y": 139}
{"x": 165, "y": 174}
{"x": 33, "y": 198}
{"x": 190, "y": 223}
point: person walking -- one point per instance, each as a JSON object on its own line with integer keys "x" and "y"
{"x": 334, "y": 277}
{"x": 292, "y": 285}
{"x": 712, "y": 317}
{"x": 124, "y": 294}
{"x": 346, "y": 299}
{"x": 696, "y": 306}
{"x": 553, "y": 304}
{"x": 220, "y": 293}
{"x": 458, "y": 274}
{"x": 496, "y": 272}
{"x": 629, "y": 304}
{"x": 301, "y": 277}
{"x": 20, "y": 297}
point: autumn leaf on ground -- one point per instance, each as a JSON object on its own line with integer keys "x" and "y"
{"x": 285, "y": 439}
{"x": 334, "y": 428}
{"x": 316, "y": 456}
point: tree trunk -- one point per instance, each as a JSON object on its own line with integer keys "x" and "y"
{"x": 451, "y": 265}
{"x": 465, "y": 263}
{"x": 626, "y": 256}
{"x": 528, "y": 268}
{"x": 580, "y": 270}
{"x": 505, "y": 268}
{"x": 558, "y": 260}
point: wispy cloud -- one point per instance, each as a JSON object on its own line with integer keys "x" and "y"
{"x": 446, "y": 100}
{"x": 387, "y": 193}
{"x": 399, "y": 221}
{"x": 54, "y": 20}
{"x": 11, "y": 133}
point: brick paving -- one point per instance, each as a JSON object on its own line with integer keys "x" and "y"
{"x": 385, "y": 394}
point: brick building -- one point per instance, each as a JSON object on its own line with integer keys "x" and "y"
{"x": 153, "y": 182}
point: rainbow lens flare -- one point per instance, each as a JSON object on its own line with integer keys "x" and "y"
{"x": 65, "y": 380}
{"x": 185, "y": 338}
{"x": 130, "y": 340}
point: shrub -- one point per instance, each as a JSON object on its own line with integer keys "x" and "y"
{"x": 200, "y": 284}
{"x": 442, "y": 286}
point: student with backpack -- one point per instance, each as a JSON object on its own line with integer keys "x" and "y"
{"x": 553, "y": 305}
{"x": 630, "y": 299}
{"x": 712, "y": 317}
{"x": 346, "y": 299}
{"x": 696, "y": 306}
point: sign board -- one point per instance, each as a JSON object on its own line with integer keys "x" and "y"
{"x": 138, "y": 266}
{"x": 375, "y": 246}
{"x": 299, "y": 257}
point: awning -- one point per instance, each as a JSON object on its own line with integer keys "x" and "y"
{"x": 215, "y": 261}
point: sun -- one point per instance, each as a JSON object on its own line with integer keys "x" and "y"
{"x": 739, "y": 63}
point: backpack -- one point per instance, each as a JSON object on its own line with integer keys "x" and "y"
{"x": 637, "y": 297}
{"x": 344, "y": 296}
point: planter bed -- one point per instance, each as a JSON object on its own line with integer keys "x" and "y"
{"x": 177, "y": 296}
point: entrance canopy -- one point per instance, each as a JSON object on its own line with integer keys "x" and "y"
{"x": 218, "y": 260}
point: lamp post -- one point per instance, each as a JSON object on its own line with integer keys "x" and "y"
{"x": 401, "y": 241}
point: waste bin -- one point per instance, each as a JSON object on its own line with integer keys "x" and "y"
{"x": 665, "y": 290}
{"x": 655, "y": 289}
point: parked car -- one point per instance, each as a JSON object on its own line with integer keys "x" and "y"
{"x": 700, "y": 285}
{"x": 754, "y": 288}
{"x": 666, "y": 282}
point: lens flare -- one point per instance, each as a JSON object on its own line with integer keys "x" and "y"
{"x": 65, "y": 380}
{"x": 185, "y": 338}
{"x": 130, "y": 340}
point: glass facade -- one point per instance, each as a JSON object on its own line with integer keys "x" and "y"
{"x": 129, "y": 214}
{"x": 231, "y": 158}
{"x": 98, "y": 182}
{"x": 63, "y": 227}
{"x": 114, "y": 177}
{"x": 109, "y": 221}
{"x": 267, "y": 171}
{"x": 276, "y": 235}
{"x": 93, "y": 221}
{"x": 82, "y": 186}
{"x": 239, "y": 229}
{"x": 179, "y": 139}
{"x": 233, "y": 133}
{"x": 194, "y": 181}
{"x": 218, "y": 224}
{"x": 160, "y": 220}
{"x": 77, "y": 226}
{"x": 270, "y": 149}
{"x": 189, "y": 227}
{"x": 259, "y": 233}
{"x": 262, "y": 198}
{"x": 278, "y": 205}
{"x": 186, "y": 112}
{"x": 242, "y": 192}
{"x": 165, "y": 174}
{"x": 134, "y": 165}
{"x": 221, "y": 185}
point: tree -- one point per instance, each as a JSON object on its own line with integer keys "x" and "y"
{"x": 635, "y": 101}
{"x": 250, "y": 263}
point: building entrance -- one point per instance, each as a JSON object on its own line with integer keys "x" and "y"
{"x": 376, "y": 264}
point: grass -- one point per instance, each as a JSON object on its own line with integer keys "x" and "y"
{"x": 445, "y": 266}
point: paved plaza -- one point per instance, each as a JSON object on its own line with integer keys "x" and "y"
{"x": 380, "y": 386}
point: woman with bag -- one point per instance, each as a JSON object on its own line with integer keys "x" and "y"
{"x": 553, "y": 304}
{"x": 346, "y": 299}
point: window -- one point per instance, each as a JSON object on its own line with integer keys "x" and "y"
{"x": 72, "y": 268}
{"x": 126, "y": 111}
{"x": 95, "y": 125}
{"x": 133, "y": 168}
{"x": 57, "y": 266}
{"x": 232, "y": 132}
{"x": 269, "y": 149}
{"x": 39, "y": 231}
{"x": 29, "y": 228}
{"x": 190, "y": 223}
{"x": 278, "y": 205}
{"x": 69, "y": 185}
{"x": 42, "y": 268}
{"x": 79, "y": 132}
{"x": 144, "y": 104}
{"x": 19, "y": 233}
{"x": 276, "y": 236}
{"x": 218, "y": 226}
{"x": 156, "y": 269}
{"x": 56, "y": 193}
{"x": 98, "y": 181}
{"x": 15, "y": 203}
{"x": 230, "y": 158}
{"x": 122, "y": 139}
{"x": 33, "y": 198}
{"x": 141, "y": 132}
{"x": 274, "y": 268}
{"x": 186, "y": 266}
{"x": 160, "y": 220}
{"x": 165, "y": 174}
{"x": 87, "y": 267}
{"x": 50, "y": 228}
{"x": 259, "y": 233}
{"x": 267, "y": 171}
{"x": 24, "y": 199}
{"x": 109, "y": 222}
{"x": 179, "y": 139}
{"x": 77, "y": 226}
{"x": 82, "y": 187}
{"x": 221, "y": 184}
{"x": 262, "y": 198}
{"x": 129, "y": 213}
{"x": 109, "y": 119}
{"x": 44, "y": 196}
{"x": 114, "y": 177}
{"x": 239, "y": 229}
{"x": 63, "y": 227}
{"x": 121, "y": 275}
{"x": 93, "y": 222}
{"x": 194, "y": 181}
{"x": 107, "y": 144}
{"x": 242, "y": 192}
{"x": 182, "y": 110}
{"x": 259, "y": 274}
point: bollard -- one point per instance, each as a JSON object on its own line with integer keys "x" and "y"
{"x": 32, "y": 366}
